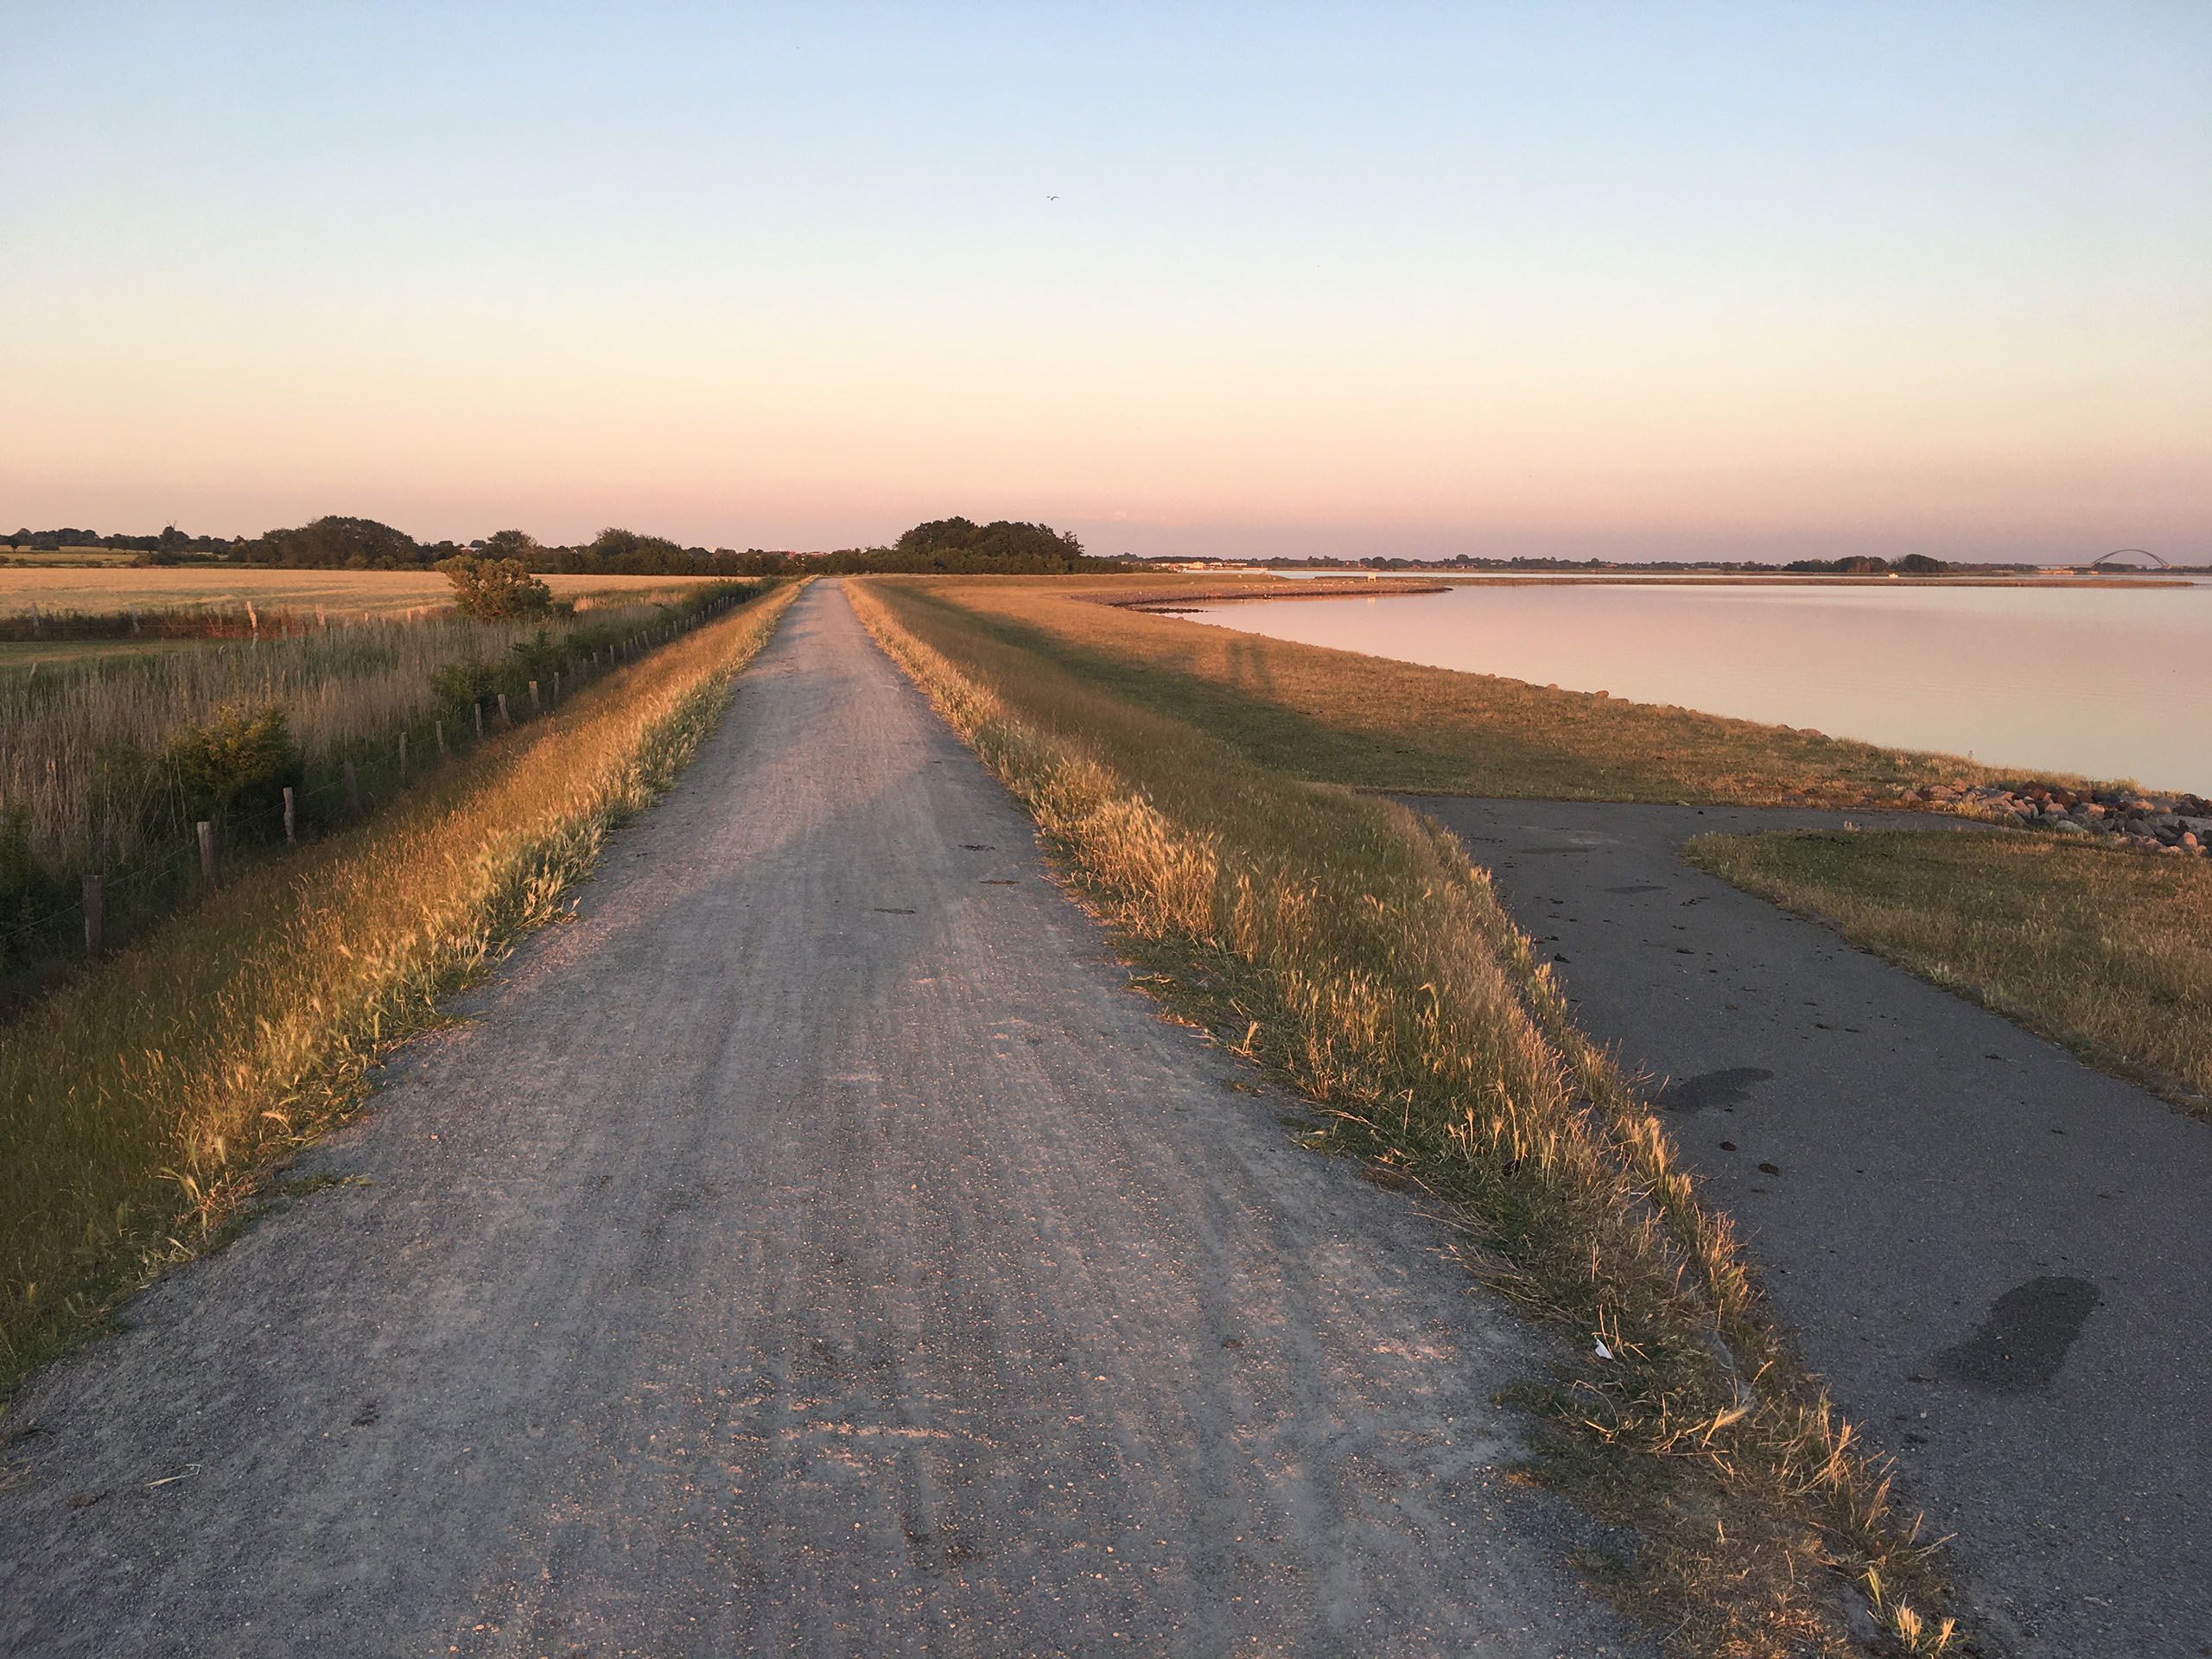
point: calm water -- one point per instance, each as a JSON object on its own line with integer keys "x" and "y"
{"x": 2113, "y": 683}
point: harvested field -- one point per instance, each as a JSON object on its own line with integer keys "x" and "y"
{"x": 338, "y": 592}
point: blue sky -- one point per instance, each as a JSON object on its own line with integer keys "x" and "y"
{"x": 1597, "y": 279}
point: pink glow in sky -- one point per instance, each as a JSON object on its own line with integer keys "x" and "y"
{"x": 1629, "y": 281}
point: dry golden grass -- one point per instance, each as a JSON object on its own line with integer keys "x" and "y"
{"x": 138, "y": 1108}
{"x": 1351, "y": 947}
{"x": 340, "y": 594}
{"x": 340, "y": 686}
{"x": 2107, "y": 952}
{"x": 1373, "y": 723}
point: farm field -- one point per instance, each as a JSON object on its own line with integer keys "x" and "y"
{"x": 345, "y": 591}
{"x": 64, "y": 557}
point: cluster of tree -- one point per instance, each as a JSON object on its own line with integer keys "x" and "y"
{"x": 171, "y": 546}
{"x": 629, "y": 553}
{"x": 1003, "y": 545}
{"x": 1866, "y": 564}
{"x": 1388, "y": 561}
{"x": 1861, "y": 564}
{"x": 943, "y": 544}
{"x": 344, "y": 543}
{"x": 333, "y": 543}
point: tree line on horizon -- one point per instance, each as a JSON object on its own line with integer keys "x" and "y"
{"x": 1856, "y": 564}
{"x": 339, "y": 542}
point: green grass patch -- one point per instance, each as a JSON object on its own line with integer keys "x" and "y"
{"x": 1350, "y": 948}
{"x": 2107, "y": 952}
{"x": 142, "y": 1105}
{"x": 19, "y": 656}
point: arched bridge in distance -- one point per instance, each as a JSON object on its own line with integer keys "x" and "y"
{"x": 2123, "y": 558}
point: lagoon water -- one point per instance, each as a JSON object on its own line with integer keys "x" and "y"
{"x": 2110, "y": 682}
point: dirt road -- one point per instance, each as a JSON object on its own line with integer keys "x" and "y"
{"x": 1995, "y": 1254}
{"x": 815, "y": 1247}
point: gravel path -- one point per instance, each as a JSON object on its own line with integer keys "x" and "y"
{"x": 816, "y": 1246}
{"x": 1996, "y": 1255}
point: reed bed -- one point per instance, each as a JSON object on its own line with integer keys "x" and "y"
{"x": 1351, "y": 949}
{"x": 70, "y": 736}
{"x": 138, "y": 1110}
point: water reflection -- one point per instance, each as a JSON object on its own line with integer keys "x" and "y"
{"x": 2111, "y": 683}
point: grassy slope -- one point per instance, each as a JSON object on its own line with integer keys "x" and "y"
{"x": 2105, "y": 968}
{"x": 139, "y": 1108}
{"x": 2109, "y": 953}
{"x": 1373, "y": 723}
{"x": 1336, "y": 939}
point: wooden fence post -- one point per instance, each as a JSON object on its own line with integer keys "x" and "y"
{"x": 534, "y": 703}
{"x": 505, "y": 719}
{"x": 291, "y": 832}
{"x": 92, "y": 915}
{"x": 352, "y": 789}
{"x": 439, "y": 726}
{"x": 206, "y": 850}
{"x": 557, "y": 685}
{"x": 480, "y": 720}
{"x": 403, "y": 756}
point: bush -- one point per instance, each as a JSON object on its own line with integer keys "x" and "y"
{"x": 29, "y": 891}
{"x": 239, "y": 753}
{"x": 460, "y": 686}
{"x": 489, "y": 588}
{"x": 541, "y": 655}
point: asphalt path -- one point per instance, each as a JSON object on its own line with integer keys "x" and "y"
{"x": 1996, "y": 1255}
{"x": 815, "y": 1247}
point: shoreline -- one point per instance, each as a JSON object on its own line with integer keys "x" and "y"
{"x": 2079, "y": 751}
{"x": 2183, "y": 579}
{"x": 1159, "y": 603}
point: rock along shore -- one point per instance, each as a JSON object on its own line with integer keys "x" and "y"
{"x": 2173, "y": 825}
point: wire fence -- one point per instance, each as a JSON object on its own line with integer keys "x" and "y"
{"x": 41, "y": 942}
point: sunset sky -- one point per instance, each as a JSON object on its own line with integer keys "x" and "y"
{"x": 1756, "y": 280}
